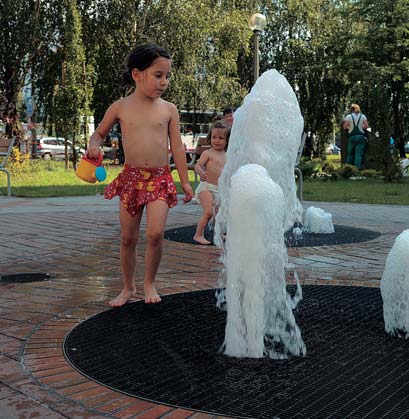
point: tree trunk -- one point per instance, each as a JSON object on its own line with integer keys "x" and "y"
{"x": 398, "y": 118}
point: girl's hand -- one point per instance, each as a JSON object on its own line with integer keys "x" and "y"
{"x": 93, "y": 151}
{"x": 203, "y": 176}
{"x": 188, "y": 191}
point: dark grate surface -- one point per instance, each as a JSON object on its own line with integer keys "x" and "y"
{"x": 342, "y": 235}
{"x": 169, "y": 353}
{"x": 24, "y": 278}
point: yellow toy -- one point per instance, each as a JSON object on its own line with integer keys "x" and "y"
{"x": 91, "y": 170}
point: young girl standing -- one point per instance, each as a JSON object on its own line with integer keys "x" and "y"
{"x": 147, "y": 121}
{"x": 209, "y": 167}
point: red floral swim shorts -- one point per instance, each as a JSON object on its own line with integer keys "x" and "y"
{"x": 137, "y": 186}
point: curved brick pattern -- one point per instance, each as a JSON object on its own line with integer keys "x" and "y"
{"x": 77, "y": 239}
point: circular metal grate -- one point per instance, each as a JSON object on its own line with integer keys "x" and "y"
{"x": 170, "y": 353}
{"x": 26, "y": 277}
{"x": 342, "y": 235}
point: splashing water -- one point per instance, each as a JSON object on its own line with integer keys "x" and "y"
{"x": 395, "y": 287}
{"x": 266, "y": 131}
{"x": 316, "y": 220}
{"x": 257, "y": 203}
{"x": 259, "y": 309}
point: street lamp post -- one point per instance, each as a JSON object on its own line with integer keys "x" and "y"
{"x": 257, "y": 23}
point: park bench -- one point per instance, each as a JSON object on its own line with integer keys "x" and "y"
{"x": 6, "y": 147}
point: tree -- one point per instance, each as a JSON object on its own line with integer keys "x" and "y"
{"x": 112, "y": 31}
{"x": 19, "y": 44}
{"x": 382, "y": 54}
{"x": 303, "y": 41}
{"x": 204, "y": 50}
{"x": 71, "y": 98}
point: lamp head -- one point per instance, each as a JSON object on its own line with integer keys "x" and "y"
{"x": 257, "y": 22}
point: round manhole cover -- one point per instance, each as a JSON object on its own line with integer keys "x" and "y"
{"x": 25, "y": 277}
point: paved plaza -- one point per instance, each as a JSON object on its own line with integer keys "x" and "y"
{"x": 77, "y": 240}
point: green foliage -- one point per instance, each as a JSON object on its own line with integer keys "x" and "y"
{"x": 380, "y": 156}
{"x": 19, "y": 44}
{"x": 204, "y": 50}
{"x": 71, "y": 98}
{"x": 19, "y": 163}
{"x": 310, "y": 168}
{"x": 348, "y": 170}
{"x": 49, "y": 178}
{"x": 370, "y": 173}
{"x": 329, "y": 171}
{"x": 378, "y": 59}
{"x": 332, "y": 52}
{"x": 304, "y": 42}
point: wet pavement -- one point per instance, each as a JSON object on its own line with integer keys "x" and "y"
{"x": 77, "y": 240}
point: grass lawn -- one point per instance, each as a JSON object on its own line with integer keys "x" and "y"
{"x": 42, "y": 179}
{"x": 365, "y": 191}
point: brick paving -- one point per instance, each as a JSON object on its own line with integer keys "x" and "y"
{"x": 77, "y": 240}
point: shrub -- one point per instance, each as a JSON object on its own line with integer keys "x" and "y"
{"x": 329, "y": 171}
{"x": 307, "y": 168}
{"x": 310, "y": 168}
{"x": 347, "y": 170}
{"x": 18, "y": 163}
{"x": 370, "y": 173}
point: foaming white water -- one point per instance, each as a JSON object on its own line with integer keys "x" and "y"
{"x": 259, "y": 309}
{"x": 266, "y": 136}
{"x": 316, "y": 220}
{"x": 395, "y": 287}
{"x": 267, "y": 131}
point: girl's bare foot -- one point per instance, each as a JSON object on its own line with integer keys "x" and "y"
{"x": 201, "y": 240}
{"x": 124, "y": 296}
{"x": 151, "y": 295}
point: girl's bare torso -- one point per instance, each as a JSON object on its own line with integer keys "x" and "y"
{"x": 145, "y": 129}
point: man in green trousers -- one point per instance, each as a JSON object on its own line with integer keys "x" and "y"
{"x": 356, "y": 122}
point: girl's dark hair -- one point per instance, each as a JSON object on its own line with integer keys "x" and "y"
{"x": 219, "y": 124}
{"x": 141, "y": 58}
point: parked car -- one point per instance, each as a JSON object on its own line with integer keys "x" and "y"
{"x": 407, "y": 147}
{"x": 333, "y": 149}
{"x": 109, "y": 152}
{"x": 54, "y": 148}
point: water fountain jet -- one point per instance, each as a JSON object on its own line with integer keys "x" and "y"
{"x": 395, "y": 287}
{"x": 258, "y": 203}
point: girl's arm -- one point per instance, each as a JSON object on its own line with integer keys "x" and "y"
{"x": 200, "y": 166}
{"x": 178, "y": 152}
{"x": 97, "y": 138}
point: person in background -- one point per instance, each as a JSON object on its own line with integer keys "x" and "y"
{"x": 356, "y": 123}
{"x": 228, "y": 115}
{"x": 209, "y": 167}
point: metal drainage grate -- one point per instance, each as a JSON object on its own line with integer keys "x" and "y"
{"x": 24, "y": 278}
{"x": 342, "y": 235}
{"x": 169, "y": 353}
